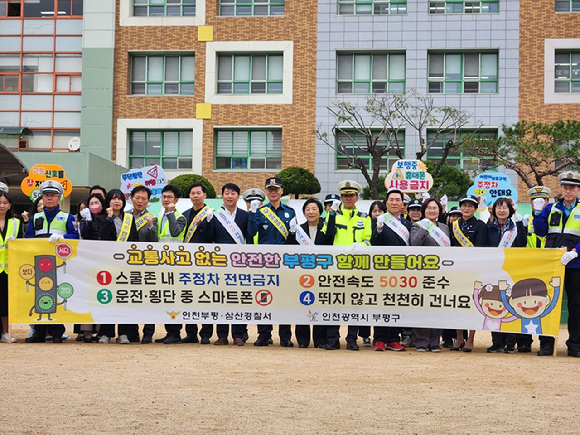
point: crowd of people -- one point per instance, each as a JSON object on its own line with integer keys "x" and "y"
{"x": 395, "y": 221}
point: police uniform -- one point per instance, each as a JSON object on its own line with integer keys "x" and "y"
{"x": 560, "y": 224}
{"x": 474, "y": 229}
{"x": 43, "y": 225}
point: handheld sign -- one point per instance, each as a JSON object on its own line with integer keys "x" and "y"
{"x": 491, "y": 186}
{"x": 40, "y": 173}
{"x": 409, "y": 176}
{"x": 152, "y": 177}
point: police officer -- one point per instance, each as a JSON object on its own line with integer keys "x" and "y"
{"x": 328, "y": 200}
{"x": 55, "y": 224}
{"x": 271, "y": 222}
{"x": 560, "y": 224}
{"x": 352, "y": 228}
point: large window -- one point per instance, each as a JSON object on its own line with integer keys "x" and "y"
{"x": 164, "y": 8}
{"x": 567, "y": 72}
{"x": 353, "y": 143}
{"x": 40, "y": 8}
{"x": 248, "y": 149}
{"x": 370, "y": 73}
{"x": 457, "y": 157}
{"x": 169, "y": 74}
{"x": 244, "y": 8}
{"x": 250, "y": 74}
{"x": 169, "y": 149}
{"x": 458, "y": 73}
{"x": 464, "y": 7}
{"x": 567, "y": 5}
{"x": 372, "y": 7}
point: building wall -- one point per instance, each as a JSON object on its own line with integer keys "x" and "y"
{"x": 416, "y": 33}
{"x": 297, "y": 120}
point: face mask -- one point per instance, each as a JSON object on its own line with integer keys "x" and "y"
{"x": 96, "y": 209}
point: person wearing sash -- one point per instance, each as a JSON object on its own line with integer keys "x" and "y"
{"x": 352, "y": 228}
{"x": 54, "y": 224}
{"x": 390, "y": 229}
{"x": 560, "y": 224}
{"x": 504, "y": 233}
{"x": 199, "y": 230}
{"x": 118, "y": 226}
{"x": 306, "y": 234}
{"x": 146, "y": 225}
{"x": 171, "y": 230}
{"x": 467, "y": 232}
{"x": 429, "y": 232}
{"x": 10, "y": 229}
{"x": 231, "y": 227}
{"x": 271, "y": 222}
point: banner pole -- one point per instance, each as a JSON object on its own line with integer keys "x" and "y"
{"x": 555, "y": 354}
{"x": 10, "y": 333}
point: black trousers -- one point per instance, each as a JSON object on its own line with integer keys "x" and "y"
{"x": 238, "y": 330}
{"x": 131, "y": 331}
{"x": 302, "y": 333}
{"x": 149, "y": 330}
{"x": 503, "y": 338}
{"x": 387, "y": 334}
{"x": 55, "y": 330}
{"x": 333, "y": 334}
{"x": 284, "y": 331}
{"x": 191, "y": 329}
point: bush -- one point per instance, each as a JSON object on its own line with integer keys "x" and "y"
{"x": 299, "y": 181}
{"x": 450, "y": 181}
{"x": 182, "y": 182}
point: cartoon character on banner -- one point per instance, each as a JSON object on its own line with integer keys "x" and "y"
{"x": 487, "y": 299}
{"x": 46, "y": 288}
{"x": 529, "y": 301}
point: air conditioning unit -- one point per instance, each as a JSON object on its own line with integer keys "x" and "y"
{"x": 23, "y": 144}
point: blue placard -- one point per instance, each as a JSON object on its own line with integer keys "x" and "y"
{"x": 493, "y": 185}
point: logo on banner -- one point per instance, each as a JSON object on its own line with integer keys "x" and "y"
{"x": 264, "y": 297}
{"x": 63, "y": 250}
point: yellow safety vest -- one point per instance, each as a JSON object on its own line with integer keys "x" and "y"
{"x": 561, "y": 235}
{"x": 534, "y": 241}
{"x": 57, "y": 226}
{"x": 165, "y": 235}
{"x": 12, "y": 230}
{"x": 352, "y": 227}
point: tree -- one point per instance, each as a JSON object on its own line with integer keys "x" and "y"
{"x": 450, "y": 181}
{"x": 182, "y": 182}
{"x": 299, "y": 181}
{"x": 533, "y": 150}
{"x": 381, "y": 190}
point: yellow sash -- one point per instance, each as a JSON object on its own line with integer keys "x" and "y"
{"x": 275, "y": 220}
{"x": 125, "y": 228}
{"x": 139, "y": 223}
{"x": 460, "y": 237}
{"x": 191, "y": 230}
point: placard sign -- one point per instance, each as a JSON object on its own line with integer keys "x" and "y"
{"x": 152, "y": 177}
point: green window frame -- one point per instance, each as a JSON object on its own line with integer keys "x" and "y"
{"x": 167, "y": 74}
{"x": 251, "y": 8}
{"x": 164, "y": 8}
{"x": 463, "y": 73}
{"x": 347, "y": 138}
{"x": 250, "y": 73}
{"x": 567, "y": 72}
{"x": 464, "y": 7}
{"x": 255, "y": 149}
{"x": 370, "y": 73}
{"x": 171, "y": 149}
{"x": 372, "y": 7}
{"x": 567, "y": 6}
{"x": 458, "y": 158}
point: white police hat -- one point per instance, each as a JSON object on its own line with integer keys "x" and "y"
{"x": 3, "y": 187}
{"x": 569, "y": 177}
{"x": 253, "y": 194}
{"x": 348, "y": 186}
{"x": 50, "y": 186}
{"x": 539, "y": 192}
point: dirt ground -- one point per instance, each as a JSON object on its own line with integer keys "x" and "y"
{"x": 77, "y": 388}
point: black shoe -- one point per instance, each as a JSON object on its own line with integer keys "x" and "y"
{"x": 134, "y": 339}
{"x": 332, "y": 346}
{"x": 284, "y": 342}
{"x": 573, "y": 352}
{"x": 270, "y": 341}
{"x": 448, "y": 343}
{"x": 205, "y": 340}
{"x": 190, "y": 339}
{"x": 245, "y": 337}
{"x": 81, "y": 337}
{"x": 546, "y": 351}
{"x": 57, "y": 339}
{"x": 509, "y": 349}
{"x": 35, "y": 339}
{"x": 304, "y": 346}
{"x": 351, "y": 345}
{"x": 524, "y": 348}
{"x": 162, "y": 340}
{"x": 495, "y": 347}
{"x": 88, "y": 339}
{"x": 262, "y": 341}
{"x": 172, "y": 340}
{"x": 147, "y": 339}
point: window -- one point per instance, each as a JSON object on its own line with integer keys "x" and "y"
{"x": 248, "y": 149}
{"x": 346, "y": 140}
{"x": 372, "y": 7}
{"x": 162, "y": 75}
{"x": 250, "y": 74}
{"x": 457, "y": 157}
{"x": 9, "y": 83}
{"x": 169, "y": 149}
{"x": 245, "y": 8}
{"x": 464, "y": 7}
{"x": 370, "y": 73}
{"x": 164, "y": 8}
{"x": 567, "y": 72}
{"x": 457, "y": 73}
{"x": 567, "y": 5}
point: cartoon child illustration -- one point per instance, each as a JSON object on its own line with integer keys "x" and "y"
{"x": 529, "y": 300}
{"x": 488, "y": 301}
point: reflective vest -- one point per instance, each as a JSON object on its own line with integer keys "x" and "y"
{"x": 12, "y": 230}
{"x": 351, "y": 226}
{"x": 534, "y": 241}
{"x": 560, "y": 235}
{"x": 57, "y": 226}
{"x": 165, "y": 235}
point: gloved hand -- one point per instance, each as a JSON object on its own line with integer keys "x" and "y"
{"x": 55, "y": 238}
{"x": 86, "y": 214}
{"x": 209, "y": 215}
{"x": 444, "y": 200}
{"x": 518, "y": 217}
{"x": 380, "y": 221}
{"x": 538, "y": 204}
{"x": 526, "y": 220}
{"x": 293, "y": 223}
{"x": 254, "y": 206}
{"x": 568, "y": 257}
{"x": 356, "y": 246}
{"x": 425, "y": 195}
{"x": 9, "y": 238}
{"x": 335, "y": 205}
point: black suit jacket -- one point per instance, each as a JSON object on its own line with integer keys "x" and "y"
{"x": 320, "y": 239}
{"x": 205, "y": 230}
{"x": 388, "y": 237}
{"x": 222, "y": 236}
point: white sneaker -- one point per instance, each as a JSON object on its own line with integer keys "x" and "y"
{"x": 123, "y": 339}
{"x": 6, "y": 339}
{"x": 104, "y": 339}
